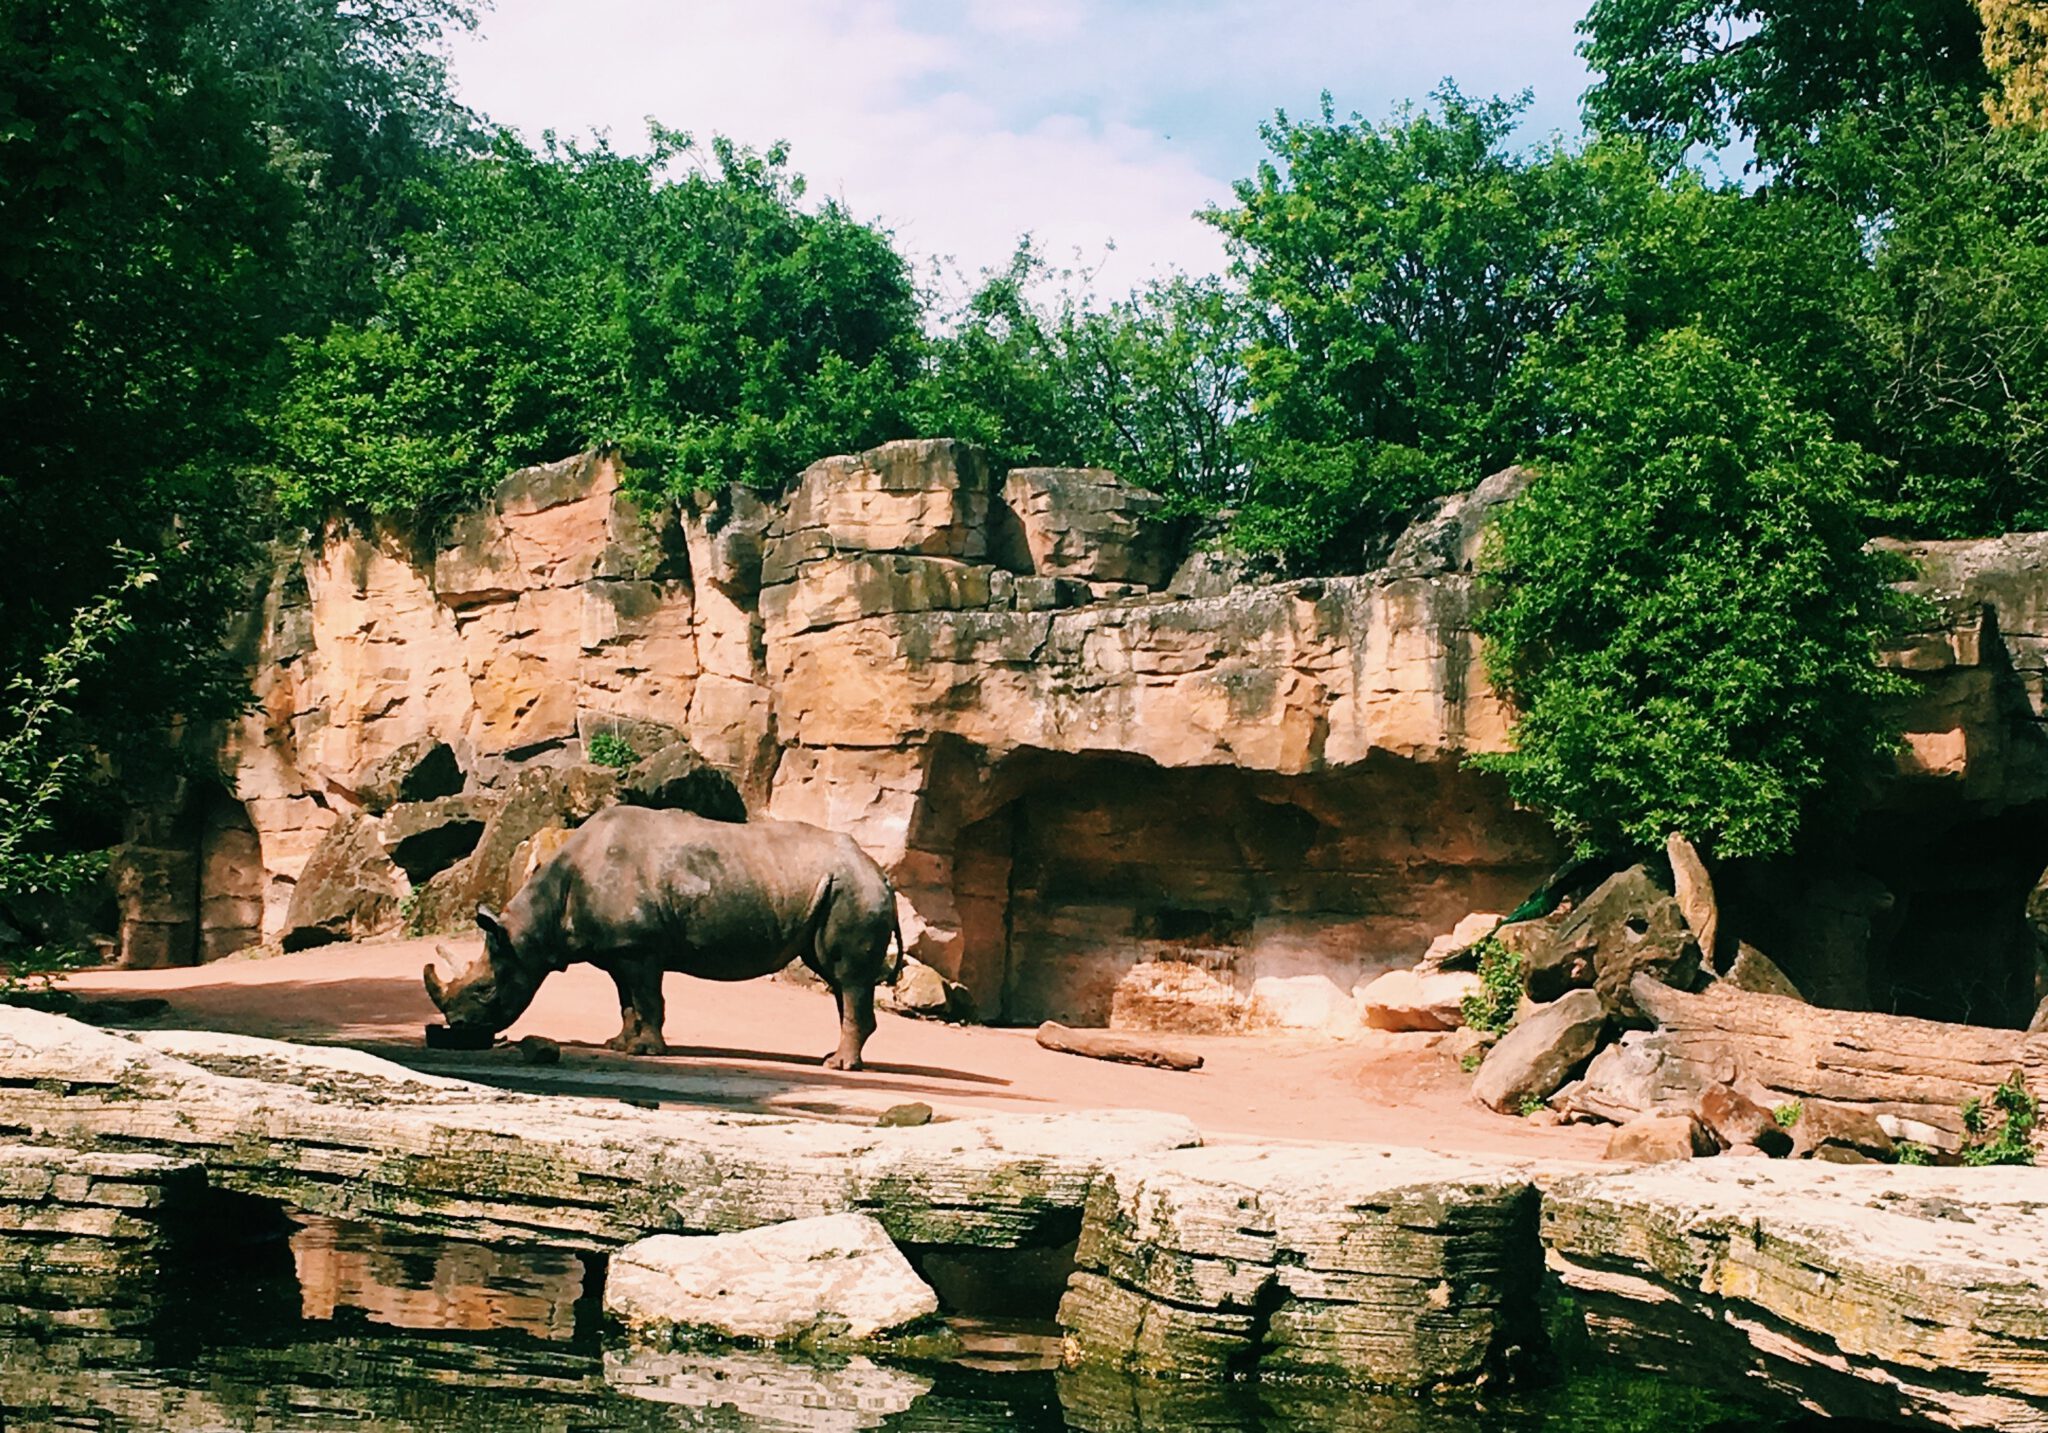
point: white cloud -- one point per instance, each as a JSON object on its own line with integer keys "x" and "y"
{"x": 963, "y": 126}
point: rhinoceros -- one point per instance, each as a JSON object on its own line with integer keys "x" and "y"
{"x": 638, "y": 892}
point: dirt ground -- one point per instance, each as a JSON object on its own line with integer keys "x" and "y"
{"x": 756, "y": 1045}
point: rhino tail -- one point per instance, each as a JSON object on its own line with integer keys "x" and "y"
{"x": 895, "y": 970}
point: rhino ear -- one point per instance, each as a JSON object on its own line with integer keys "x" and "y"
{"x": 487, "y": 921}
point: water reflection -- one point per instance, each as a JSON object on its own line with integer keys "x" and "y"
{"x": 348, "y": 1327}
{"x": 412, "y": 1281}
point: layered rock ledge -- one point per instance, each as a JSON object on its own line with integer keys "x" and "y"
{"x": 336, "y": 1132}
{"x": 1909, "y": 1295}
{"x": 1390, "y": 1268}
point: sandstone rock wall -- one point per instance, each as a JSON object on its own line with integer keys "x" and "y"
{"x": 1096, "y": 797}
{"x": 1068, "y": 773}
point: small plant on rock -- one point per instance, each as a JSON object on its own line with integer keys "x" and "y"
{"x": 1905, "y": 1151}
{"x": 1491, "y": 1008}
{"x": 1471, "y": 1060}
{"x": 1530, "y": 1104}
{"x": 2012, "y": 1141}
{"x": 608, "y": 748}
{"x": 1787, "y": 1114}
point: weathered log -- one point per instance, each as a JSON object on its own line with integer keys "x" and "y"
{"x": 1914, "y": 1075}
{"x": 1899, "y": 1295}
{"x": 1123, "y": 1049}
{"x": 338, "y": 1132}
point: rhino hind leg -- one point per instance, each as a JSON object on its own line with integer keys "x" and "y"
{"x": 641, "y": 1009}
{"x": 856, "y": 1023}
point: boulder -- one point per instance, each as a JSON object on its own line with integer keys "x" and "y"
{"x": 833, "y": 1280}
{"x": 423, "y": 769}
{"x": 676, "y": 778}
{"x": 1301, "y": 1002}
{"x": 1628, "y": 926}
{"x": 1084, "y": 523}
{"x": 1543, "y": 1050}
{"x": 1448, "y": 951}
{"x": 1839, "y": 1133}
{"x": 1654, "y": 1139}
{"x": 1636, "y": 1075}
{"x": 1754, "y": 971}
{"x": 561, "y": 797}
{"x": 425, "y": 838}
{"x": 1176, "y": 997}
{"x": 1736, "y": 1120}
{"x": 1693, "y": 888}
{"x": 921, "y": 992}
{"x": 1415, "y": 1000}
{"x": 348, "y": 890}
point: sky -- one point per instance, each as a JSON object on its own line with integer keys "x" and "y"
{"x": 1097, "y": 126}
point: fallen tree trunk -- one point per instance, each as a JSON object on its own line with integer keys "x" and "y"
{"x": 1918, "y": 1073}
{"x": 1123, "y": 1049}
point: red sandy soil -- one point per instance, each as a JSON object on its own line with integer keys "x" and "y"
{"x": 756, "y": 1045}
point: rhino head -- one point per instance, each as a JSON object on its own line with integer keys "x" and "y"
{"x": 496, "y": 988}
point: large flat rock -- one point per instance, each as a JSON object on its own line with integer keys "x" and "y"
{"x": 338, "y": 1132}
{"x": 1395, "y": 1268}
{"x": 1905, "y": 1294}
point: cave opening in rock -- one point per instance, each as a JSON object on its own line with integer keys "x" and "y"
{"x": 1100, "y": 889}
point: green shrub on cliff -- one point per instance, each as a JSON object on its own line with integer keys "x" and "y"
{"x": 1683, "y": 609}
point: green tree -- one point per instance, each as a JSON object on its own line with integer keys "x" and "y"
{"x": 1957, "y": 331}
{"x": 1150, "y": 385}
{"x": 1779, "y": 74}
{"x": 1684, "y": 611}
{"x": 557, "y": 298}
{"x": 143, "y": 243}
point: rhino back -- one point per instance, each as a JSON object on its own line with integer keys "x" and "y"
{"x": 633, "y": 876}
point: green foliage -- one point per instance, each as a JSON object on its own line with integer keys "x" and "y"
{"x": 2011, "y": 1139}
{"x": 1777, "y": 73}
{"x": 1684, "y": 610}
{"x": 555, "y": 299}
{"x": 1149, "y": 386}
{"x": 610, "y": 749}
{"x": 1957, "y": 322}
{"x": 1905, "y": 1151}
{"x": 1530, "y": 1104}
{"x": 145, "y": 241}
{"x": 38, "y": 769}
{"x": 1471, "y": 1060}
{"x": 1491, "y": 1008}
{"x": 1787, "y": 1114}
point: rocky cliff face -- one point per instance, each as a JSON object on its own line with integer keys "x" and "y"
{"x": 1249, "y": 800}
{"x": 1098, "y": 798}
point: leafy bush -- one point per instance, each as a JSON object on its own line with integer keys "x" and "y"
{"x": 1787, "y": 1114}
{"x": 2011, "y": 1141}
{"x": 1684, "y": 612}
{"x": 38, "y": 768}
{"x": 1491, "y": 1008}
{"x": 1905, "y": 1151}
{"x": 610, "y": 749}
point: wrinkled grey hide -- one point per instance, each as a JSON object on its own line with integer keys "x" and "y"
{"x": 638, "y": 892}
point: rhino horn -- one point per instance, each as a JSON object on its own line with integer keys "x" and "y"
{"x": 434, "y": 990}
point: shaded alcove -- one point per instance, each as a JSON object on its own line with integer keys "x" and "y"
{"x": 1067, "y": 870}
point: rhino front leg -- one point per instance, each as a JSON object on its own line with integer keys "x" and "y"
{"x": 641, "y": 1009}
{"x": 856, "y": 1023}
